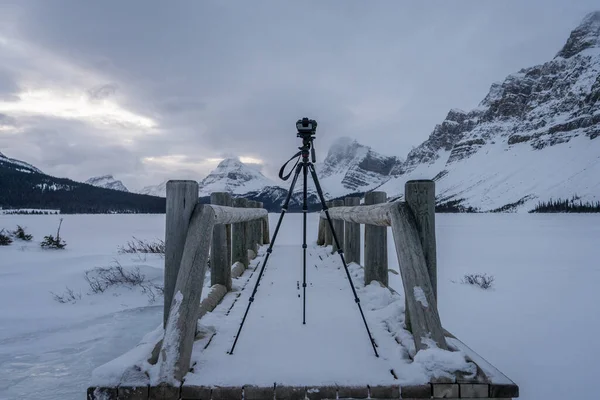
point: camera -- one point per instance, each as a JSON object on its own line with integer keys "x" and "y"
{"x": 306, "y": 126}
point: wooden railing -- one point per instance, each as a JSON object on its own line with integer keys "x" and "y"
{"x": 413, "y": 228}
{"x": 231, "y": 235}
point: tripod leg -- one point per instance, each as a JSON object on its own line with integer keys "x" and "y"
{"x": 341, "y": 253}
{"x": 304, "y": 211}
{"x": 269, "y": 251}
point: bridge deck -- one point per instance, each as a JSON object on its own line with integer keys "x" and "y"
{"x": 274, "y": 346}
{"x": 331, "y": 356}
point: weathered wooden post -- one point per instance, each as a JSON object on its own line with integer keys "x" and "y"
{"x": 376, "y": 260}
{"x": 265, "y": 230}
{"x": 420, "y": 198}
{"x": 338, "y": 226}
{"x": 239, "y": 249}
{"x": 321, "y": 233}
{"x": 328, "y": 236}
{"x": 259, "y": 225}
{"x": 220, "y": 252}
{"x": 352, "y": 234}
{"x": 251, "y": 242}
{"x": 182, "y": 197}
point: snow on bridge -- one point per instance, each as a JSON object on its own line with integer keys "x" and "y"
{"x": 276, "y": 356}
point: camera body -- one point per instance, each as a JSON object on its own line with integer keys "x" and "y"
{"x": 306, "y": 127}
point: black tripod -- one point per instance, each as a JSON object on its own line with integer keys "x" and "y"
{"x": 306, "y": 131}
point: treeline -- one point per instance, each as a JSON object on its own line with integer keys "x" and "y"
{"x": 19, "y": 190}
{"x": 566, "y": 206}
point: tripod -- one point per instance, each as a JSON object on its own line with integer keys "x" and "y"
{"x": 304, "y": 164}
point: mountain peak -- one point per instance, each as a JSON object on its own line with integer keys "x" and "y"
{"x": 586, "y": 35}
{"x": 233, "y": 176}
{"x": 107, "y": 182}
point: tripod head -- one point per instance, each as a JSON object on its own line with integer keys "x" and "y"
{"x": 307, "y": 129}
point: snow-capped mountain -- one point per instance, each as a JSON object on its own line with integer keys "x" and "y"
{"x": 159, "y": 190}
{"x": 532, "y": 138}
{"x": 17, "y": 165}
{"x": 351, "y": 167}
{"x": 233, "y": 176}
{"x": 107, "y": 182}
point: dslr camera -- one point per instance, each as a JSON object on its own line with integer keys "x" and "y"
{"x": 306, "y": 127}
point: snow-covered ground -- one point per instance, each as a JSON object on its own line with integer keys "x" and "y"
{"x": 537, "y": 325}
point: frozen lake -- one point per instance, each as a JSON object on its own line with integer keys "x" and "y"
{"x": 537, "y": 325}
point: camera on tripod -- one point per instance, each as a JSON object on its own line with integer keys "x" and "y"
{"x": 306, "y": 127}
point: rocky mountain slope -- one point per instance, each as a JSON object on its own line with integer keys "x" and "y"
{"x": 107, "y": 182}
{"x": 351, "y": 167}
{"x": 17, "y": 165}
{"x": 532, "y": 138}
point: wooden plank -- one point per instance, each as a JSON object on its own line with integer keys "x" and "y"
{"x": 338, "y": 227}
{"x": 220, "y": 252}
{"x": 230, "y": 215}
{"x": 422, "y": 306}
{"x": 351, "y": 234}
{"x": 420, "y": 198}
{"x": 182, "y": 197}
{"x": 376, "y": 259}
{"x": 492, "y": 373}
{"x": 176, "y": 350}
{"x": 239, "y": 252}
{"x": 378, "y": 214}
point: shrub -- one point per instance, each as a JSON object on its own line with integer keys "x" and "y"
{"x": 5, "y": 238}
{"x": 101, "y": 278}
{"x": 136, "y": 246}
{"x": 484, "y": 281}
{"x": 51, "y": 242}
{"x": 19, "y": 233}
{"x": 69, "y": 296}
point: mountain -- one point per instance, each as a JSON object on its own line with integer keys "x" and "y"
{"x": 351, "y": 167}
{"x": 107, "y": 182}
{"x": 532, "y": 138}
{"x": 24, "y": 186}
{"x": 159, "y": 190}
{"x": 17, "y": 165}
{"x": 233, "y": 176}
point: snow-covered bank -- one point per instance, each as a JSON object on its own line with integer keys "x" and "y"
{"x": 536, "y": 325}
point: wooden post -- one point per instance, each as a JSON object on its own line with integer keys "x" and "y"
{"x": 422, "y": 311}
{"x": 352, "y": 234}
{"x": 182, "y": 197}
{"x": 265, "y": 230}
{"x": 376, "y": 260}
{"x": 321, "y": 233}
{"x": 328, "y": 237}
{"x": 259, "y": 225}
{"x": 420, "y": 198}
{"x": 253, "y": 236}
{"x": 220, "y": 252}
{"x": 338, "y": 226}
{"x": 239, "y": 251}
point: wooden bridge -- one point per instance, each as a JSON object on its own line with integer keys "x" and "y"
{"x": 278, "y": 357}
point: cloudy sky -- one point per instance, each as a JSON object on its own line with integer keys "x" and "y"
{"x": 149, "y": 90}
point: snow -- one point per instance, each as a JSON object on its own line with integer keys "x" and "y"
{"x": 420, "y": 296}
{"x": 505, "y": 174}
{"x": 536, "y": 324}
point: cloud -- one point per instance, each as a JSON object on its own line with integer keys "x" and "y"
{"x": 162, "y": 90}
